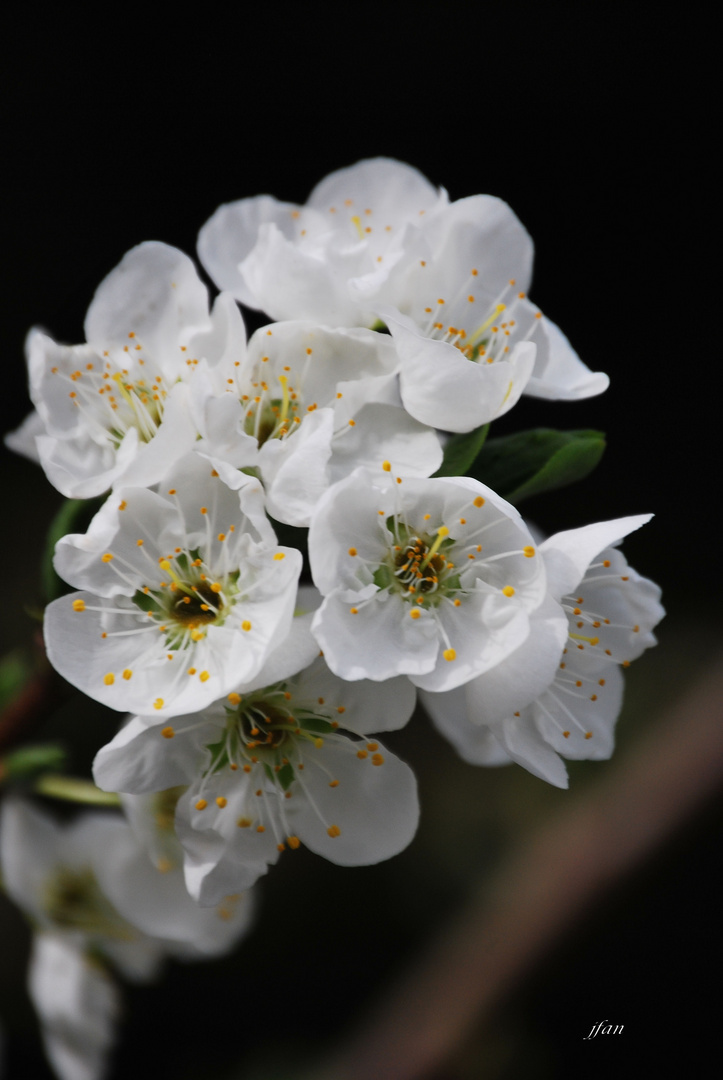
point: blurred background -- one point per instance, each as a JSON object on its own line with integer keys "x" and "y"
{"x": 593, "y": 124}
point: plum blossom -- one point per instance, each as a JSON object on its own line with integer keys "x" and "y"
{"x": 559, "y": 695}
{"x": 117, "y": 409}
{"x": 436, "y": 579}
{"x": 185, "y": 593}
{"x": 316, "y": 402}
{"x": 275, "y": 765}
{"x": 95, "y": 899}
{"x": 327, "y": 260}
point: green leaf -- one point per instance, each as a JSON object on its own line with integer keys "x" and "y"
{"x": 73, "y": 789}
{"x": 29, "y": 760}
{"x": 73, "y": 516}
{"x": 14, "y": 673}
{"x": 461, "y": 450}
{"x": 531, "y": 462}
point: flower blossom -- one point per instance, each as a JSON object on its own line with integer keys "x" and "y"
{"x": 326, "y": 260}
{"x": 560, "y": 695}
{"x": 95, "y": 898}
{"x": 316, "y": 402}
{"x": 186, "y": 592}
{"x": 436, "y": 579}
{"x": 274, "y": 765}
{"x": 117, "y": 408}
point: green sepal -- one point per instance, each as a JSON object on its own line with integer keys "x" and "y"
{"x": 315, "y": 725}
{"x": 461, "y": 450}
{"x": 285, "y": 775}
{"x": 74, "y": 515}
{"x": 219, "y": 754}
{"x": 531, "y": 462}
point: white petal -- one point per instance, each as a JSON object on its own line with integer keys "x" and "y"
{"x": 560, "y": 374}
{"x": 154, "y": 293}
{"x": 568, "y": 554}
{"x": 525, "y": 673}
{"x": 78, "y": 1006}
{"x": 375, "y": 806}
{"x": 474, "y": 743}
{"x": 522, "y": 741}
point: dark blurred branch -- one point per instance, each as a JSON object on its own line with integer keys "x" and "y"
{"x": 541, "y": 891}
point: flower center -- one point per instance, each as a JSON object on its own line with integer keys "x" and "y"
{"x": 417, "y": 565}
{"x": 73, "y": 901}
{"x": 119, "y": 392}
{"x": 261, "y": 729}
{"x": 190, "y": 600}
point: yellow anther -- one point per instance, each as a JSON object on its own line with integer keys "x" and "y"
{"x": 361, "y": 754}
{"x": 333, "y": 783}
{"x": 109, "y": 679}
{"x": 508, "y": 590}
{"x": 353, "y": 611}
{"x": 201, "y": 804}
{"x": 158, "y": 703}
{"x": 279, "y": 556}
{"x": 122, "y": 505}
{"x": 528, "y": 551}
{"x": 449, "y": 654}
{"x": 479, "y": 501}
{"x": 221, "y": 802}
{"x": 168, "y": 733}
{"x": 387, "y": 466}
{"x": 260, "y": 828}
{"x": 334, "y": 831}
{"x": 293, "y": 842}
{"x": 192, "y": 671}
{"x": 588, "y": 734}
{"x": 352, "y": 551}
{"x": 377, "y": 759}
{"x": 221, "y": 536}
{"x": 127, "y": 674}
{"x": 79, "y": 605}
{"x": 235, "y": 699}
{"x": 215, "y": 588}
{"x": 107, "y": 557}
{"x": 204, "y": 676}
{"x": 414, "y": 613}
{"x": 245, "y": 625}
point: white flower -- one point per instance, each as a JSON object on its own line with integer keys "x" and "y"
{"x": 326, "y": 260}
{"x": 436, "y": 579}
{"x": 186, "y": 594}
{"x": 274, "y": 766}
{"x": 91, "y": 892}
{"x": 317, "y": 402}
{"x": 561, "y": 693}
{"x": 468, "y": 353}
{"x": 117, "y": 409}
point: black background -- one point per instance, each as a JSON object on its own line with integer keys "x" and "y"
{"x": 594, "y": 124}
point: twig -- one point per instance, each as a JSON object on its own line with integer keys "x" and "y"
{"x": 541, "y": 891}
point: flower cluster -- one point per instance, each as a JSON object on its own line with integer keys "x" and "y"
{"x": 255, "y": 703}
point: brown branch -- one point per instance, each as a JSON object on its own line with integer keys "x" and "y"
{"x": 543, "y": 888}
